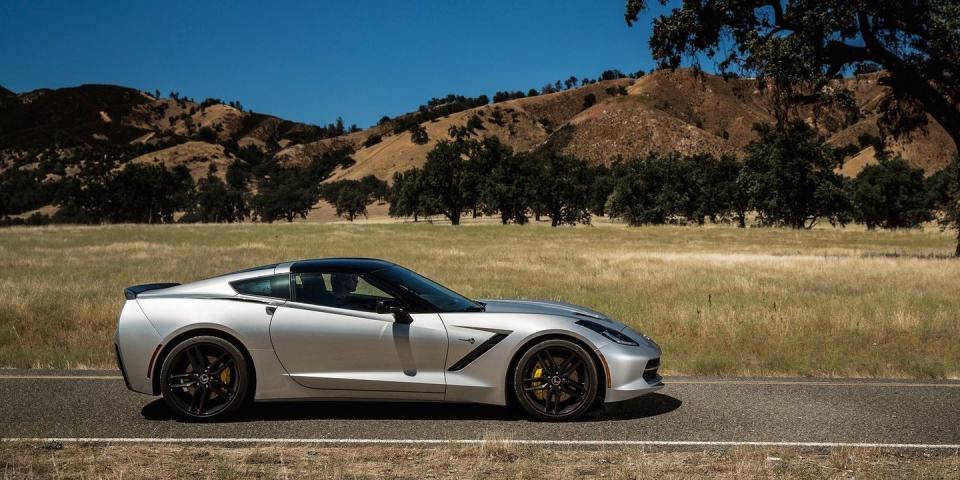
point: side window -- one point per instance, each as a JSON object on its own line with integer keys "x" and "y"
{"x": 276, "y": 286}
{"x": 339, "y": 290}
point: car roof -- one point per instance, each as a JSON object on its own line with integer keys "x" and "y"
{"x": 358, "y": 265}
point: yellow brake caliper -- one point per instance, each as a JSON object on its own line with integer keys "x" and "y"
{"x": 225, "y": 376}
{"x": 537, "y": 372}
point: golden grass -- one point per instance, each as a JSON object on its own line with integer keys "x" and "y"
{"x": 489, "y": 460}
{"x": 720, "y": 300}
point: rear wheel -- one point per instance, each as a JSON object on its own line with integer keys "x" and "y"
{"x": 555, "y": 380}
{"x": 205, "y": 378}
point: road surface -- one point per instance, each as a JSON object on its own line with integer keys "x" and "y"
{"x": 95, "y": 405}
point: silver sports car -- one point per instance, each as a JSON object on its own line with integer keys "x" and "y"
{"x": 366, "y": 329}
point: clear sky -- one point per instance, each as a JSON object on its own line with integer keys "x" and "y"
{"x": 315, "y": 61}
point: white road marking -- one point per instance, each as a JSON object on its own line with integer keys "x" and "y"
{"x": 60, "y": 377}
{"x": 371, "y": 441}
{"x": 865, "y": 383}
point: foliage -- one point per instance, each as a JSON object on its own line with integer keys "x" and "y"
{"x": 651, "y": 190}
{"x": 563, "y": 189}
{"x": 137, "y": 193}
{"x": 408, "y": 196}
{"x": 475, "y": 123}
{"x": 800, "y": 46}
{"x": 418, "y": 135}
{"x": 589, "y": 100}
{"x": 372, "y": 140}
{"x": 504, "y": 181}
{"x": 944, "y": 187}
{"x": 446, "y": 179}
{"x": 791, "y": 177}
{"x": 289, "y": 192}
{"x": 214, "y": 201}
{"x": 348, "y": 197}
{"x": 890, "y": 194}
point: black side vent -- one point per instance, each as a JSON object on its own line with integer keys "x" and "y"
{"x": 476, "y": 352}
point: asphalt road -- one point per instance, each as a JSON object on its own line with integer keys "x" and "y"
{"x": 95, "y": 404}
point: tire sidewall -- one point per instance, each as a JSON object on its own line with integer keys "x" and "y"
{"x": 524, "y": 402}
{"x": 243, "y": 383}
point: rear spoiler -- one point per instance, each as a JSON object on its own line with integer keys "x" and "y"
{"x": 131, "y": 292}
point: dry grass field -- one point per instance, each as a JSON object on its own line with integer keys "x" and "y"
{"x": 720, "y": 300}
{"x": 489, "y": 460}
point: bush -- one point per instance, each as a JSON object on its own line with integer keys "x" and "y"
{"x": 418, "y": 135}
{"x": 372, "y": 140}
{"x": 589, "y": 100}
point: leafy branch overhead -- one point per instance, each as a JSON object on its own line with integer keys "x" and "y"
{"x": 800, "y": 46}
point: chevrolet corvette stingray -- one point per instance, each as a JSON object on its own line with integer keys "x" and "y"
{"x": 367, "y": 329}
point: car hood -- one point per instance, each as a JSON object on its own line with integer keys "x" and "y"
{"x": 547, "y": 307}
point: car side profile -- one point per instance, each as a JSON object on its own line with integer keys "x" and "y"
{"x": 367, "y": 329}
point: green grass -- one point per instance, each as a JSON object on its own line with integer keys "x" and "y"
{"x": 719, "y": 300}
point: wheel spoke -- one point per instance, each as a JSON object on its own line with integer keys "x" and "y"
{"x": 572, "y": 367}
{"x": 546, "y": 360}
{"x": 533, "y": 389}
{"x": 183, "y": 381}
{"x": 221, "y": 389}
{"x": 573, "y": 392}
{"x": 541, "y": 378}
{"x": 199, "y": 399}
{"x": 196, "y": 359}
{"x": 577, "y": 387}
{"x": 216, "y": 363}
{"x": 223, "y": 366}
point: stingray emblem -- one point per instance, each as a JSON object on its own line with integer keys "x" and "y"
{"x": 470, "y": 340}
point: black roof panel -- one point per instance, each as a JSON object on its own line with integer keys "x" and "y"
{"x": 359, "y": 265}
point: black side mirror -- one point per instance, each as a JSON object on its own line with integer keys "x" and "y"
{"x": 399, "y": 314}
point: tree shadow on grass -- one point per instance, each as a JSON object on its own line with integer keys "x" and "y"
{"x": 644, "y": 407}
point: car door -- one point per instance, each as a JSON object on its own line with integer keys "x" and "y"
{"x": 326, "y": 341}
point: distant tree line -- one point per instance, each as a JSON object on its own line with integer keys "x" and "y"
{"x": 788, "y": 177}
{"x": 567, "y": 84}
{"x": 255, "y": 186}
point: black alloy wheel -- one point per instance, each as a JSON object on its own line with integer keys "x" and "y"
{"x": 204, "y": 378}
{"x": 555, "y": 380}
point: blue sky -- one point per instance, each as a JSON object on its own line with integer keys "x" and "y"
{"x": 315, "y": 61}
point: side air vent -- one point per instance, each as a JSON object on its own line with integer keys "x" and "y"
{"x": 476, "y": 352}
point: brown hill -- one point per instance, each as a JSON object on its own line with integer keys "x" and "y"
{"x": 65, "y": 130}
{"x": 59, "y": 132}
{"x": 665, "y": 111}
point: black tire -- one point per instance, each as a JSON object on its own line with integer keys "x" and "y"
{"x": 555, "y": 380}
{"x": 205, "y": 378}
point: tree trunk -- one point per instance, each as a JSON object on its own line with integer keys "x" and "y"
{"x": 454, "y": 218}
{"x": 957, "y": 253}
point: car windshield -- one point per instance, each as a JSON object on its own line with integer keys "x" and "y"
{"x": 441, "y": 297}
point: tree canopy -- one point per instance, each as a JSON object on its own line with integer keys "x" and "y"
{"x": 801, "y": 45}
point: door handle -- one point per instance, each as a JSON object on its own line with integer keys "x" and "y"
{"x": 271, "y": 309}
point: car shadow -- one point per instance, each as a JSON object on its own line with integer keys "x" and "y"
{"x": 644, "y": 407}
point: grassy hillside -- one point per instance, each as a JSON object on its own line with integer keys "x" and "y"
{"x": 661, "y": 112}
{"x": 720, "y": 300}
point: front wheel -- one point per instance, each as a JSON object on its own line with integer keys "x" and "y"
{"x": 204, "y": 378}
{"x": 555, "y": 380}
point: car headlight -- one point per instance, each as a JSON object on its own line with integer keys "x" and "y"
{"x": 608, "y": 332}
